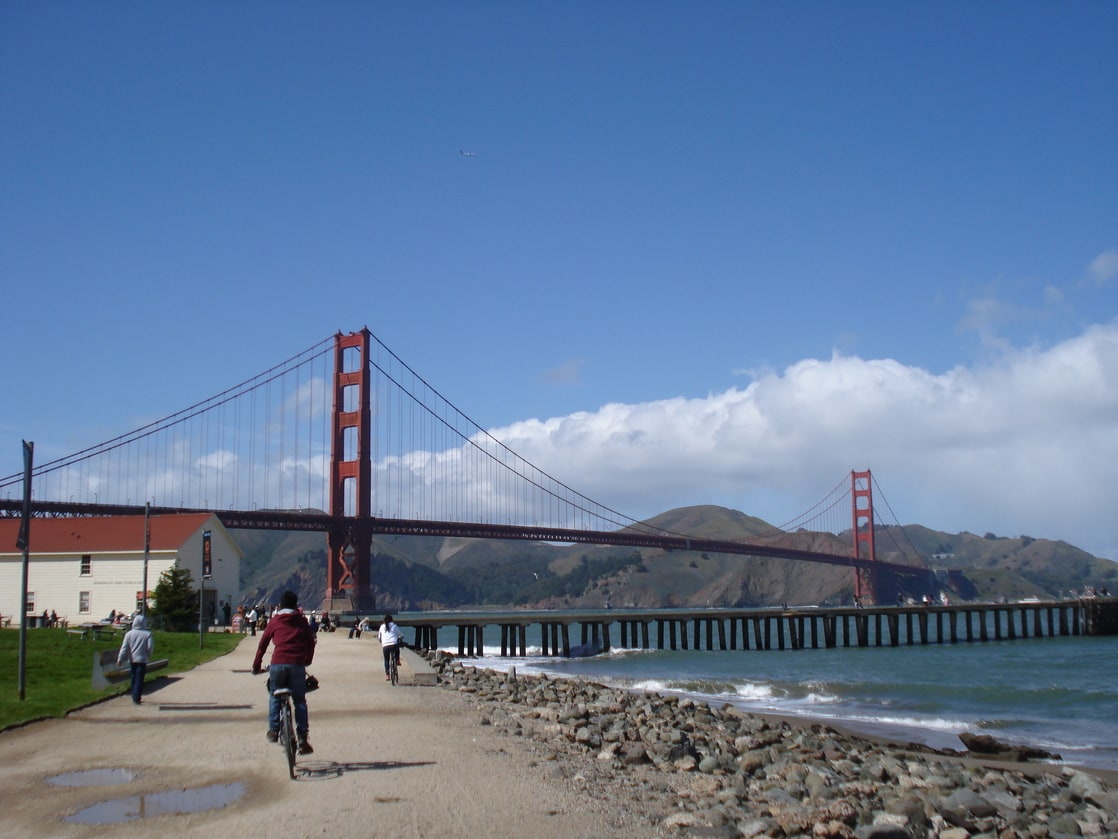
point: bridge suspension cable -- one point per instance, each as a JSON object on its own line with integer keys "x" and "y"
{"x": 888, "y": 530}
{"x": 825, "y": 513}
{"x": 268, "y": 444}
{"x": 243, "y": 446}
{"x": 265, "y": 443}
{"x": 456, "y": 470}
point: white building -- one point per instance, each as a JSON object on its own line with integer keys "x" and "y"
{"x": 84, "y": 568}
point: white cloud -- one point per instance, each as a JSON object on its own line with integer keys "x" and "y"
{"x": 1028, "y": 445}
{"x": 567, "y": 373}
{"x": 1104, "y": 267}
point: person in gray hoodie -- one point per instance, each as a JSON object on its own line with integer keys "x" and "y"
{"x": 136, "y": 649}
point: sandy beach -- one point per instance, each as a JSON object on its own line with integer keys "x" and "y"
{"x": 404, "y": 761}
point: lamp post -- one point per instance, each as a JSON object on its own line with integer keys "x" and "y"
{"x": 201, "y": 614}
{"x": 147, "y": 553}
{"x": 207, "y": 572}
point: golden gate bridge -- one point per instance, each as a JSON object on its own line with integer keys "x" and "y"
{"x": 346, "y": 439}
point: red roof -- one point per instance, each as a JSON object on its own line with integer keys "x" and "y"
{"x": 104, "y": 534}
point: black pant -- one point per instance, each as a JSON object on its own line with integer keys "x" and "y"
{"x": 389, "y": 651}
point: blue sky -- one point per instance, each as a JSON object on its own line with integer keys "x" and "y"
{"x": 771, "y": 242}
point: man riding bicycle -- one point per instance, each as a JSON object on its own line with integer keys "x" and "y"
{"x": 390, "y": 638}
{"x": 292, "y": 652}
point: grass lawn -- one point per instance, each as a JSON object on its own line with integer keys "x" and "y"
{"x": 59, "y": 671}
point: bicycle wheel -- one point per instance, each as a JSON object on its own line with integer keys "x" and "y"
{"x": 394, "y": 670}
{"x": 287, "y": 734}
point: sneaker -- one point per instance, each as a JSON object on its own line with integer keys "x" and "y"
{"x": 305, "y": 747}
{"x": 273, "y": 736}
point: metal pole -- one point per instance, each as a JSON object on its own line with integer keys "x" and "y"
{"x": 24, "y": 542}
{"x": 147, "y": 552}
{"x": 201, "y": 616}
{"x": 206, "y": 568}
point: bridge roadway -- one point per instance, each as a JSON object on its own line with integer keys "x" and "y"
{"x": 767, "y": 629}
{"x": 314, "y": 520}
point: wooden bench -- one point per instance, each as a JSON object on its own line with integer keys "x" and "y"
{"x": 78, "y": 633}
{"x": 106, "y": 673}
{"x": 5, "y": 620}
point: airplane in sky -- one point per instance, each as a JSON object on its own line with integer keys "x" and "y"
{"x": 467, "y": 153}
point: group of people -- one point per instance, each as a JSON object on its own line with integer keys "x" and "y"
{"x": 293, "y": 641}
{"x": 323, "y": 624}
{"x": 251, "y": 618}
{"x": 389, "y": 635}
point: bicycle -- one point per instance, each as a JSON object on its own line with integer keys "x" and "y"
{"x": 287, "y": 728}
{"x": 394, "y": 667}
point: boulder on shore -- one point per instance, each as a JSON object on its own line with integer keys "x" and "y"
{"x": 987, "y": 746}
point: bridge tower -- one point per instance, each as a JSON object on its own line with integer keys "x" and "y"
{"x": 349, "y": 566}
{"x": 861, "y": 498}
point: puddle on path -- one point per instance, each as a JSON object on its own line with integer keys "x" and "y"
{"x": 153, "y": 804}
{"x": 93, "y": 778}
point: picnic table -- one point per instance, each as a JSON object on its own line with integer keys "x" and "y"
{"x": 93, "y": 630}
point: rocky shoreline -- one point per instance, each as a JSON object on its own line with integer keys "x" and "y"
{"x": 669, "y": 766}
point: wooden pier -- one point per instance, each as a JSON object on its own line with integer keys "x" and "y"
{"x": 767, "y": 629}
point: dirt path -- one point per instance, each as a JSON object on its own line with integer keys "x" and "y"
{"x": 408, "y": 761}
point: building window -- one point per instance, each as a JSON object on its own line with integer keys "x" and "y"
{"x": 29, "y": 608}
{"x": 83, "y": 602}
{"x": 87, "y": 565}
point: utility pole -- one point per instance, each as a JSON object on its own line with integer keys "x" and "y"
{"x": 23, "y": 542}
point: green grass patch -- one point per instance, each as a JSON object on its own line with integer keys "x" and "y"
{"x": 59, "y": 671}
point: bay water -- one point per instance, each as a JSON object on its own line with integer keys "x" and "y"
{"x": 1058, "y": 693}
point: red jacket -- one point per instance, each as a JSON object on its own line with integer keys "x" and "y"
{"x": 292, "y": 638}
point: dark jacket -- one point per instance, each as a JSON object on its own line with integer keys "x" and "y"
{"x": 291, "y": 637}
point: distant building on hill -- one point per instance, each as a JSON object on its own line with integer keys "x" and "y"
{"x": 84, "y": 568}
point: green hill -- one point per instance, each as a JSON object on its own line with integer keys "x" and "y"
{"x": 433, "y": 572}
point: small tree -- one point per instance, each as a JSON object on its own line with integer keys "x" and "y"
{"x": 176, "y": 601}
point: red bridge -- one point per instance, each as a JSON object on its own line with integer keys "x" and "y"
{"x": 346, "y": 439}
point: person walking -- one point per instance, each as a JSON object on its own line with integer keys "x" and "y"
{"x": 390, "y": 637}
{"x": 135, "y": 650}
{"x": 292, "y": 652}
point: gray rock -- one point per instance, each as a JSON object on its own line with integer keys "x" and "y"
{"x": 970, "y": 801}
{"x": 709, "y": 764}
{"x": 759, "y": 827}
{"x": 1106, "y": 801}
{"x": 881, "y": 831}
{"x": 759, "y": 778}
{"x": 634, "y": 755}
{"x": 1064, "y": 824}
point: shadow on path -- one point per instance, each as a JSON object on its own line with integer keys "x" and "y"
{"x": 321, "y": 770}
